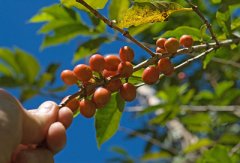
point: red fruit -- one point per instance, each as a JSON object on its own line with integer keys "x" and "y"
{"x": 150, "y": 75}
{"x": 111, "y": 62}
{"x": 73, "y": 104}
{"x": 114, "y": 85}
{"x": 125, "y": 69}
{"x": 171, "y": 45}
{"x": 128, "y": 92}
{"x": 97, "y": 63}
{"x": 68, "y": 77}
{"x": 160, "y": 50}
{"x": 126, "y": 54}
{"x": 101, "y": 97}
{"x": 182, "y": 75}
{"x": 87, "y": 108}
{"x": 186, "y": 41}
{"x": 160, "y": 42}
{"x": 165, "y": 66}
{"x": 107, "y": 73}
{"x": 83, "y": 72}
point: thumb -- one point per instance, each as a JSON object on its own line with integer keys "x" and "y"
{"x": 37, "y": 122}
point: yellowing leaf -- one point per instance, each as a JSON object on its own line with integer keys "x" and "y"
{"x": 148, "y": 12}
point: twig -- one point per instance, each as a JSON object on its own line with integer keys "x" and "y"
{"x": 227, "y": 62}
{"x": 112, "y": 25}
{"x": 234, "y": 149}
{"x": 209, "y": 26}
{"x": 148, "y": 139}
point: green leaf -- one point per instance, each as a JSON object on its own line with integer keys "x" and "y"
{"x": 216, "y": 1}
{"x": 120, "y": 151}
{"x": 198, "y": 145}
{"x": 182, "y": 30}
{"x": 88, "y": 48}
{"x": 208, "y": 58}
{"x": 224, "y": 21}
{"x": 229, "y": 138}
{"x": 222, "y": 87}
{"x": 235, "y": 24}
{"x": 117, "y": 7}
{"x": 27, "y": 94}
{"x": 155, "y": 156}
{"x": 218, "y": 154}
{"x": 93, "y": 3}
{"x": 8, "y": 81}
{"x": 148, "y": 12}
{"x": 5, "y": 70}
{"x": 65, "y": 33}
{"x": 107, "y": 121}
{"x": 120, "y": 102}
{"x": 28, "y": 64}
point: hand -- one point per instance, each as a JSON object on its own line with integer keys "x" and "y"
{"x": 22, "y": 132}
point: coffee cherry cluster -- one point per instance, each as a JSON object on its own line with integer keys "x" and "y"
{"x": 171, "y": 45}
{"x": 101, "y": 68}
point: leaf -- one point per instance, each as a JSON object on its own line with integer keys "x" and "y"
{"x": 218, "y": 154}
{"x": 155, "y": 156}
{"x": 224, "y": 21}
{"x": 222, "y": 87}
{"x": 120, "y": 102}
{"x": 99, "y": 4}
{"x": 198, "y": 145}
{"x": 5, "y": 70}
{"x": 7, "y": 81}
{"x": 107, "y": 121}
{"x": 208, "y": 58}
{"x": 120, "y": 151}
{"x": 117, "y": 7}
{"x": 182, "y": 30}
{"x": 88, "y": 48}
{"x": 148, "y": 12}
{"x": 28, "y": 64}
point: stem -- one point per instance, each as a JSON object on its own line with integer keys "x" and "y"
{"x": 112, "y": 25}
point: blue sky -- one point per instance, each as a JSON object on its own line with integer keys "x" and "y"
{"x": 15, "y": 31}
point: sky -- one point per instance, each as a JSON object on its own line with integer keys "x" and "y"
{"x": 15, "y": 31}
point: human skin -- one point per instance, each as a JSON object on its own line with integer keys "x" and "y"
{"x": 31, "y": 136}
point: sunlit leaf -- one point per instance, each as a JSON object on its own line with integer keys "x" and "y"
{"x": 107, "y": 121}
{"x": 155, "y": 156}
{"x": 148, "y": 12}
{"x": 198, "y": 145}
{"x": 99, "y": 4}
{"x": 117, "y": 7}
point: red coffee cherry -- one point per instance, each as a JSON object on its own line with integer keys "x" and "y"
{"x": 186, "y": 41}
{"x": 68, "y": 77}
{"x": 111, "y": 62}
{"x": 83, "y": 72}
{"x": 107, "y": 73}
{"x": 114, "y": 85}
{"x": 125, "y": 69}
{"x": 128, "y": 92}
{"x": 101, "y": 97}
{"x": 160, "y": 42}
{"x": 171, "y": 45}
{"x": 73, "y": 104}
{"x": 97, "y": 63}
{"x": 87, "y": 108}
{"x": 150, "y": 75}
{"x": 126, "y": 54}
{"x": 165, "y": 66}
{"x": 160, "y": 50}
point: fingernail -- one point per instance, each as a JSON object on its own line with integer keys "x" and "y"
{"x": 45, "y": 107}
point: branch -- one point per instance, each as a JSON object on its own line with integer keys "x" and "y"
{"x": 148, "y": 139}
{"x": 209, "y": 26}
{"x": 112, "y": 25}
{"x": 227, "y": 62}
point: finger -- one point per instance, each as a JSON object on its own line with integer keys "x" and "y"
{"x": 56, "y": 137}
{"x": 65, "y": 116}
{"x": 10, "y": 125}
{"x": 35, "y": 156}
{"x": 37, "y": 122}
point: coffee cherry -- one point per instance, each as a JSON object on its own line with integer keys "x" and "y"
{"x": 107, "y": 73}
{"x": 125, "y": 69}
{"x": 171, "y": 45}
{"x": 68, "y": 77}
{"x": 128, "y": 91}
{"x": 114, "y": 85}
{"x": 97, "y": 63}
{"x": 160, "y": 42}
{"x": 73, "y": 104}
{"x": 111, "y": 62}
{"x": 83, "y": 72}
{"x": 101, "y": 97}
{"x": 165, "y": 66}
{"x": 186, "y": 41}
{"x": 160, "y": 50}
{"x": 126, "y": 54}
{"x": 87, "y": 108}
{"x": 150, "y": 75}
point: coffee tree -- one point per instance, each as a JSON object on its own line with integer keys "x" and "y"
{"x": 192, "y": 67}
